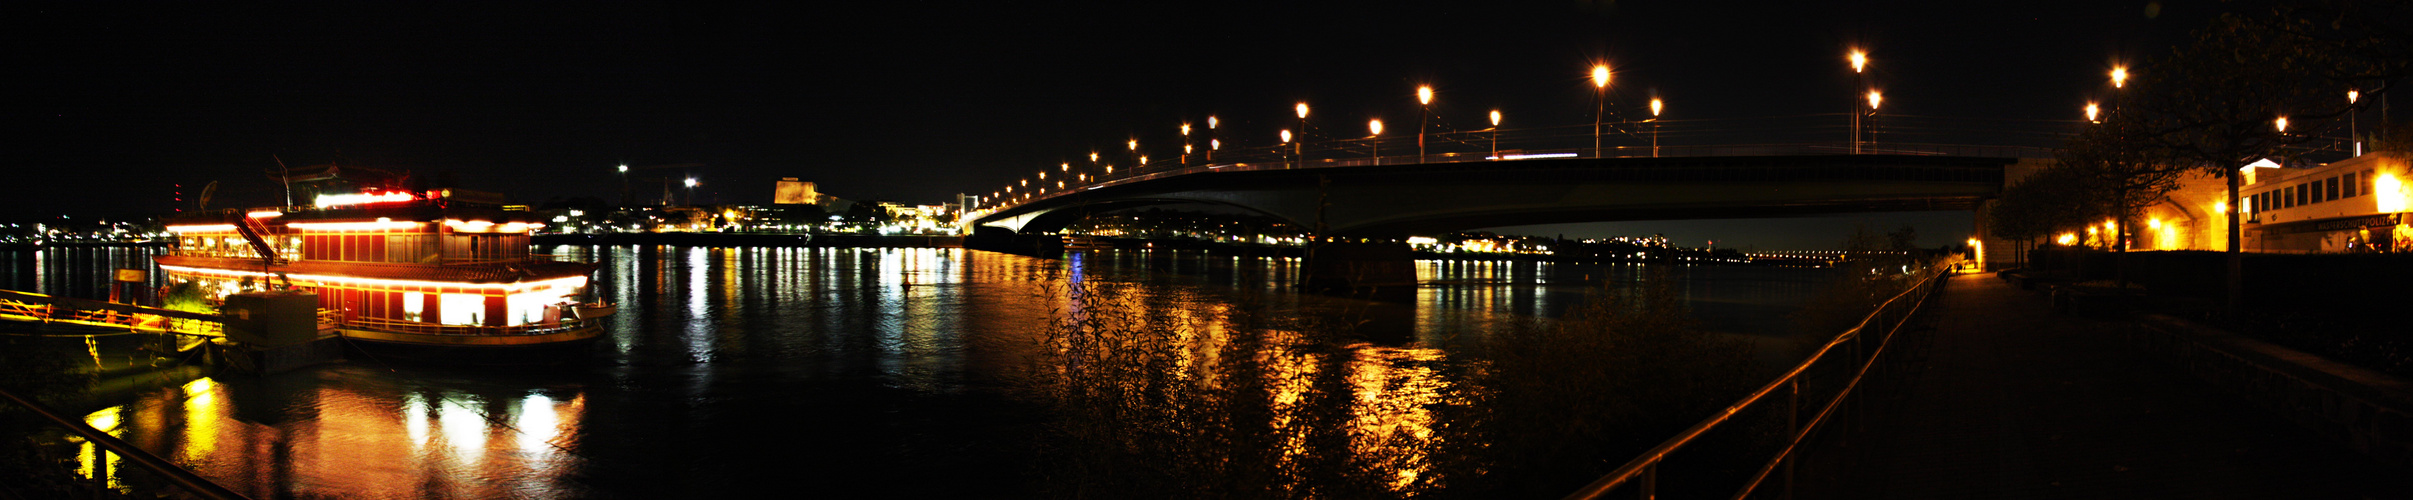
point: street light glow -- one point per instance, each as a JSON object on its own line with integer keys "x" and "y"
{"x": 2119, "y": 76}
{"x": 1600, "y": 76}
{"x": 2351, "y": 96}
{"x": 1655, "y": 105}
{"x": 1302, "y": 111}
{"x": 1134, "y": 144}
{"x": 1495, "y": 118}
{"x": 1210, "y": 122}
{"x": 1215, "y": 144}
{"x": 1286, "y": 135}
{"x": 2282, "y": 124}
{"x": 1859, "y": 60}
{"x": 624, "y": 166}
{"x": 1375, "y": 125}
{"x": 1185, "y": 130}
{"x": 1424, "y": 94}
{"x": 1874, "y": 99}
{"x": 691, "y": 180}
{"x": 2091, "y": 111}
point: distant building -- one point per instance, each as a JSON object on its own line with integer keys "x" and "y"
{"x": 795, "y": 192}
{"x": 2353, "y": 205}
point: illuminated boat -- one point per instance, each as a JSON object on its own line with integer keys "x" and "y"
{"x": 1085, "y": 242}
{"x": 431, "y": 274}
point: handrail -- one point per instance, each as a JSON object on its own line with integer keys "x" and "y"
{"x": 186, "y": 479}
{"x": 1645, "y": 466}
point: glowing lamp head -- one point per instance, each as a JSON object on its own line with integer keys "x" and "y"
{"x": 1185, "y": 130}
{"x": 1375, "y": 125}
{"x": 1495, "y": 118}
{"x": 1093, "y": 157}
{"x": 1043, "y": 175}
{"x": 2092, "y": 110}
{"x": 1874, "y": 99}
{"x": 1655, "y": 106}
{"x": 1143, "y": 159}
{"x": 1302, "y": 111}
{"x": 691, "y": 182}
{"x": 1066, "y": 167}
{"x": 1185, "y": 149}
{"x": 1600, "y": 76}
{"x": 1859, "y": 60}
{"x": 623, "y": 168}
{"x": 2119, "y": 76}
{"x": 2352, "y": 95}
{"x": 1134, "y": 144}
{"x": 1210, "y": 122}
{"x": 1215, "y": 144}
{"x": 1286, "y": 136}
{"x": 2282, "y": 123}
{"x": 1424, "y": 94}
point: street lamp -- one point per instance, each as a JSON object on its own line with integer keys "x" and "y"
{"x": 1600, "y": 82}
{"x": 2282, "y": 122}
{"x": 1874, "y": 99}
{"x": 1424, "y": 99}
{"x": 1299, "y": 149}
{"x": 2352, "y": 135}
{"x": 1495, "y": 134}
{"x": 2119, "y": 76}
{"x": 1212, "y": 142}
{"x": 691, "y": 184}
{"x": 2091, "y": 111}
{"x": 1185, "y": 144}
{"x": 1859, "y": 62}
{"x": 1375, "y": 125}
{"x": 1655, "y": 106}
{"x": 1286, "y": 136}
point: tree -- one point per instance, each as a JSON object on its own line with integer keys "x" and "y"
{"x": 2214, "y": 104}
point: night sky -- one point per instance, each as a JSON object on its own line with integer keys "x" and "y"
{"x": 915, "y": 101}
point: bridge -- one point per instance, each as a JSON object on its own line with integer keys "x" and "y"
{"x": 1348, "y": 194}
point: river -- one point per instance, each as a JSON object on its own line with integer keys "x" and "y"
{"x": 900, "y": 372}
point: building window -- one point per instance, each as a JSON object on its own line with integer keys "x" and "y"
{"x": 462, "y": 308}
{"x": 2349, "y": 186}
{"x": 412, "y": 304}
{"x": 2329, "y": 189}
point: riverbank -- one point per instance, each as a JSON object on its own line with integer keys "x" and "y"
{"x": 752, "y": 240}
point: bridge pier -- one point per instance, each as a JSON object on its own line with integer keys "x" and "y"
{"x": 1378, "y": 271}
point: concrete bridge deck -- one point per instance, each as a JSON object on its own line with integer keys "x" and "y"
{"x": 2007, "y": 399}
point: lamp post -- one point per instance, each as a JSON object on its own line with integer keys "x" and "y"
{"x": 1424, "y": 101}
{"x": 1600, "y": 82}
{"x": 623, "y": 184}
{"x": 1212, "y": 142}
{"x": 1859, "y": 62}
{"x": 1495, "y": 134}
{"x": 1286, "y": 141}
{"x": 1655, "y": 106}
{"x": 691, "y": 186}
{"x": 1375, "y": 125}
{"x": 2352, "y": 135}
{"x": 1874, "y": 99}
{"x": 1299, "y": 149}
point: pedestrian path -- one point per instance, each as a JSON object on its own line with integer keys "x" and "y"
{"x": 2006, "y": 399}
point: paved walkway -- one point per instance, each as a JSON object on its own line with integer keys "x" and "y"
{"x": 2005, "y": 399}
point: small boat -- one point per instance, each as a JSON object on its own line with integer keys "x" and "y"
{"x": 1086, "y": 242}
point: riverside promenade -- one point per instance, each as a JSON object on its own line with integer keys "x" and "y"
{"x": 2004, "y": 398}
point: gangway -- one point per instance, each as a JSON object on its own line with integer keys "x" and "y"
{"x": 25, "y": 306}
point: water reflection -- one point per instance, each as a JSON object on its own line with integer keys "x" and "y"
{"x": 872, "y": 368}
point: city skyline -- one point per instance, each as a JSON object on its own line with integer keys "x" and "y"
{"x": 917, "y": 104}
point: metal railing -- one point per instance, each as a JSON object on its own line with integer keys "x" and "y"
{"x": 1890, "y": 316}
{"x": 423, "y": 328}
{"x": 179, "y": 476}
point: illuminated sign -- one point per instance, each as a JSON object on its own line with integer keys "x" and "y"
{"x": 364, "y": 198}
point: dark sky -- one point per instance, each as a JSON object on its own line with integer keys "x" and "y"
{"x": 915, "y": 101}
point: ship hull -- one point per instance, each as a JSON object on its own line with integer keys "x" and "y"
{"x": 548, "y": 348}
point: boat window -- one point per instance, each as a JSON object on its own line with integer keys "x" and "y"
{"x": 462, "y": 308}
{"x": 2352, "y": 189}
{"x": 412, "y": 304}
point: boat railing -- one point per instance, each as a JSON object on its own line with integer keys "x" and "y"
{"x": 425, "y": 328}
